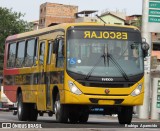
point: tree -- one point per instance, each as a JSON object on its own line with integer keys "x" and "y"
{"x": 138, "y": 22}
{"x": 10, "y": 24}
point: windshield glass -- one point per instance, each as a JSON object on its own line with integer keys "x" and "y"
{"x": 92, "y": 55}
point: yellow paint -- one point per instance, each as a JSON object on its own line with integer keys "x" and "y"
{"x": 106, "y": 102}
{"x": 71, "y": 98}
{"x": 99, "y": 93}
{"x": 37, "y": 93}
{"x": 28, "y": 93}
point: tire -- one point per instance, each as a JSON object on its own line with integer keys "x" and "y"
{"x": 61, "y": 111}
{"x": 125, "y": 115}
{"x": 50, "y": 114}
{"x": 73, "y": 116}
{"x": 83, "y": 118}
{"x": 33, "y": 113}
{"x": 78, "y": 113}
{"x": 41, "y": 113}
{"x": 22, "y": 109}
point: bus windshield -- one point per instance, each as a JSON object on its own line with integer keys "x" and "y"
{"x": 104, "y": 54}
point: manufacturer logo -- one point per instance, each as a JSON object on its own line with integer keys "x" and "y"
{"x": 107, "y": 91}
{"x": 107, "y": 79}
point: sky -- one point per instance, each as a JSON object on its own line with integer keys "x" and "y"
{"x": 31, "y": 7}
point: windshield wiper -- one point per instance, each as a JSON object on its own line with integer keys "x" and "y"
{"x": 108, "y": 56}
{"x": 105, "y": 55}
{"x": 118, "y": 67}
{"x": 90, "y": 72}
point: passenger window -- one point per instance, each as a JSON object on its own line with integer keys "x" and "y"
{"x": 29, "y": 58}
{"x": 60, "y": 55}
{"x": 50, "y": 45}
{"x": 20, "y": 54}
{"x": 11, "y": 55}
{"x": 41, "y": 53}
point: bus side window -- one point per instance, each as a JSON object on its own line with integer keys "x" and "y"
{"x": 41, "y": 53}
{"x": 11, "y": 55}
{"x": 29, "y": 58}
{"x": 50, "y": 43}
{"x": 35, "y": 59}
{"x": 60, "y": 53}
{"x": 20, "y": 54}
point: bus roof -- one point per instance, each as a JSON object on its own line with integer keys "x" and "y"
{"x": 61, "y": 26}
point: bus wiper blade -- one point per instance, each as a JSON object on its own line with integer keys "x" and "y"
{"x": 105, "y": 55}
{"x": 118, "y": 67}
{"x": 92, "y": 69}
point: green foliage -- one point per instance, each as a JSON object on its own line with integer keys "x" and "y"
{"x": 138, "y": 22}
{"x": 10, "y": 24}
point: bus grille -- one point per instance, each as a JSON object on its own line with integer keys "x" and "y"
{"x": 114, "y": 84}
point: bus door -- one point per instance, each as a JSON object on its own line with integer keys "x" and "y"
{"x": 49, "y": 72}
{"x": 41, "y": 88}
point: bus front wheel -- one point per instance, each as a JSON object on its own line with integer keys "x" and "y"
{"x": 125, "y": 115}
{"x": 61, "y": 111}
{"x": 83, "y": 118}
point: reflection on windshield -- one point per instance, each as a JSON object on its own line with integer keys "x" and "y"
{"x": 84, "y": 56}
{"x": 108, "y": 56}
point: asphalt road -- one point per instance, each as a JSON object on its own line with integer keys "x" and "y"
{"x": 95, "y": 123}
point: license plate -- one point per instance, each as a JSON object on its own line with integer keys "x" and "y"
{"x": 106, "y": 102}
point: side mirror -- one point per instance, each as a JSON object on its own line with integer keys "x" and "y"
{"x": 145, "y": 46}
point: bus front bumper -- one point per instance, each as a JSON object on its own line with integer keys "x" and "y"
{"x": 70, "y": 98}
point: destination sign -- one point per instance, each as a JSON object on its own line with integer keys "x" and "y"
{"x": 105, "y": 35}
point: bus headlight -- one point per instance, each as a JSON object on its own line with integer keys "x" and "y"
{"x": 73, "y": 88}
{"x": 137, "y": 91}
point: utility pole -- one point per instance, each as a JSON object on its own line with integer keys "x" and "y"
{"x": 144, "y": 109}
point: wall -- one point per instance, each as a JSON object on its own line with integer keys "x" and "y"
{"x": 109, "y": 19}
{"x": 56, "y": 13}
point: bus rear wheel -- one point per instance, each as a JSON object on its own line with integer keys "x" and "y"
{"x": 33, "y": 113}
{"x": 22, "y": 109}
{"x": 61, "y": 111}
{"x": 125, "y": 115}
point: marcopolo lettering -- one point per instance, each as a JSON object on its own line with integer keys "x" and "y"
{"x": 105, "y": 35}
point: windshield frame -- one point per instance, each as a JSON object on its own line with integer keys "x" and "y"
{"x": 102, "y": 28}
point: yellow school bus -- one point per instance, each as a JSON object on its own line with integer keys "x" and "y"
{"x": 75, "y": 69}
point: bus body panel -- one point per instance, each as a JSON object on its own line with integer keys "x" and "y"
{"x": 129, "y": 100}
{"x": 41, "y": 92}
{"x": 99, "y": 93}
